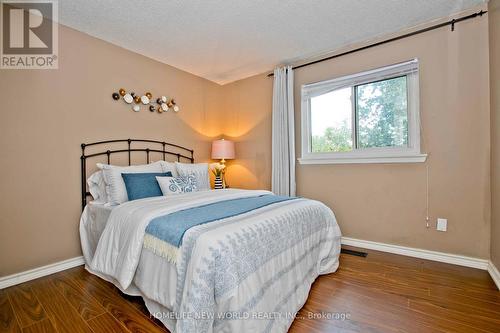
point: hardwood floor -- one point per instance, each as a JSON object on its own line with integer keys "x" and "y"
{"x": 379, "y": 293}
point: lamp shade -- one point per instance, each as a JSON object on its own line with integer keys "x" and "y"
{"x": 222, "y": 149}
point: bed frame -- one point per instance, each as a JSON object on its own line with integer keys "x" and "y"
{"x": 167, "y": 149}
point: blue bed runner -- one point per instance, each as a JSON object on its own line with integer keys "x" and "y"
{"x": 171, "y": 227}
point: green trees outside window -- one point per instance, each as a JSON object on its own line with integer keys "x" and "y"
{"x": 380, "y": 111}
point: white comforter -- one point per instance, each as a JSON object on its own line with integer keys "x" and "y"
{"x": 248, "y": 273}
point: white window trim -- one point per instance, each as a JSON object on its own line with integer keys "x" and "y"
{"x": 410, "y": 154}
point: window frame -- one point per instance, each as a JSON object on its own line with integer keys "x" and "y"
{"x": 408, "y": 154}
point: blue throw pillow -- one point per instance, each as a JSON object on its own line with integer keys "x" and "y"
{"x": 143, "y": 185}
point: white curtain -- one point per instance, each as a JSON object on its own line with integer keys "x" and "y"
{"x": 283, "y": 146}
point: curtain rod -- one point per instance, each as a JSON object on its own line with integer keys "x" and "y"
{"x": 437, "y": 26}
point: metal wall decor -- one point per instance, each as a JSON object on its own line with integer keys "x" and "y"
{"x": 163, "y": 104}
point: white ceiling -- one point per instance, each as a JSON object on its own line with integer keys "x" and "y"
{"x": 224, "y": 41}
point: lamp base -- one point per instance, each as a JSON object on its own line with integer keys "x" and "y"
{"x": 218, "y": 183}
{"x": 223, "y": 176}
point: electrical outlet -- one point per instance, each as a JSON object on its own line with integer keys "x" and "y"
{"x": 442, "y": 224}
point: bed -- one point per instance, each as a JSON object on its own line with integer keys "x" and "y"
{"x": 210, "y": 261}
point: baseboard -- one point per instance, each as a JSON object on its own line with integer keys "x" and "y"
{"x": 494, "y": 273}
{"x": 11, "y": 280}
{"x": 38, "y": 272}
{"x": 419, "y": 253}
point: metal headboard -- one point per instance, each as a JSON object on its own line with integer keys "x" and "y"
{"x": 166, "y": 149}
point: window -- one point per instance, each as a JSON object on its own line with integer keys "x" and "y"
{"x": 370, "y": 117}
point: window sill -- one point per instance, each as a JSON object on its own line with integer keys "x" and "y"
{"x": 417, "y": 158}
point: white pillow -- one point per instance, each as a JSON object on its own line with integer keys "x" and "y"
{"x": 200, "y": 170}
{"x": 97, "y": 187}
{"x": 115, "y": 186}
{"x": 169, "y": 167}
{"x": 177, "y": 185}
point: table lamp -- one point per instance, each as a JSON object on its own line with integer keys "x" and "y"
{"x": 222, "y": 150}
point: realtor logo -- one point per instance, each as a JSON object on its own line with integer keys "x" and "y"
{"x": 29, "y": 34}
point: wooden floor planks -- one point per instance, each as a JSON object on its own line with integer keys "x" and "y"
{"x": 62, "y": 315}
{"x": 25, "y": 304}
{"x": 8, "y": 320}
{"x": 379, "y": 293}
{"x": 42, "y": 326}
{"x": 106, "y": 323}
{"x": 80, "y": 300}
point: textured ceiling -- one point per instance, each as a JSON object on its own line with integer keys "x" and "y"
{"x": 224, "y": 41}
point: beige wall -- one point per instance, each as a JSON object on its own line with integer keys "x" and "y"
{"x": 386, "y": 202}
{"x": 494, "y": 19}
{"x": 247, "y": 121}
{"x": 46, "y": 114}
